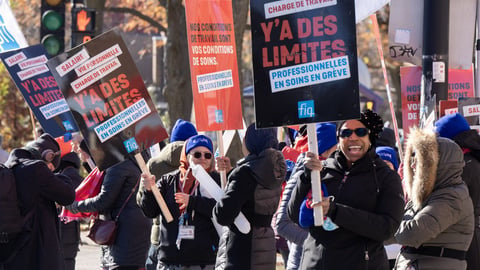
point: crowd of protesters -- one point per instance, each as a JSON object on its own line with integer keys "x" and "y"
{"x": 426, "y": 202}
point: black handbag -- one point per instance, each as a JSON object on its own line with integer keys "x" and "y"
{"x": 104, "y": 232}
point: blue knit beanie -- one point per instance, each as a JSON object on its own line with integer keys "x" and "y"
{"x": 257, "y": 140}
{"x": 326, "y": 136}
{"x": 198, "y": 140}
{"x": 388, "y": 153}
{"x": 182, "y": 130}
{"x": 451, "y": 125}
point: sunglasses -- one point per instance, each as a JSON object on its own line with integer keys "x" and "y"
{"x": 360, "y": 132}
{"x": 206, "y": 155}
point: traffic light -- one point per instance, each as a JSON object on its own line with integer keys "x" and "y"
{"x": 83, "y": 25}
{"x": 52, "y": 29}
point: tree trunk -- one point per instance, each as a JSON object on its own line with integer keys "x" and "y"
{"x": 240, "y": 15}
{"x": 178, "y": 87}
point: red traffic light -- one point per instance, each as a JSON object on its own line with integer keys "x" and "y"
{"x": 83, "y": 25}
{"x": 83, "y": 20}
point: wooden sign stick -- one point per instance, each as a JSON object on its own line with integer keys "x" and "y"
{"x": 156, "y": 192}
{"x": 315, "y": 175}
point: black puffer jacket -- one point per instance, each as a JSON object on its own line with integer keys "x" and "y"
{"x": 254, "y": 188}
{"x": 368, "y": 208}
{"x": 469, "y": 141}
{"x": 132, "y": 241}
{"x": 202, "y": 249}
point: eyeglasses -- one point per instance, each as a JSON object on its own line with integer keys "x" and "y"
{"x": 206, "y": 155}
{"x": 360, "y": 132}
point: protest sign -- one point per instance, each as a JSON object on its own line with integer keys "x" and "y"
{"x": 108, "y": 99}
{"x": 213, "y": 65}
{"x": 470, "y": 109}
{"x": 410, "y": 87}
{"x": 305, "y": 61}
{"x": 11, "y": 37}
{"x": 28, "y": 69}
{"x": 447, "y": 107}
{"x": 460, "y": 84}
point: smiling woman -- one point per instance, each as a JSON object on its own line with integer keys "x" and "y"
{"x": 354, "y": 170}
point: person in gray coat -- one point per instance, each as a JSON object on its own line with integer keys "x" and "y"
{"x": 253, "y": 188}
{"x": 129, "y": 251}
{"x": 437, "y": 225}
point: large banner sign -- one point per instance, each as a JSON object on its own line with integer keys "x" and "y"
{"x": 460, "y": 85}
{"x": 108, "y": 99}
{"x": 11, "y": 37}
{"x": 305, "y": 61}
{"x": 28, "y": 69}
{"x": 213, "y": 65}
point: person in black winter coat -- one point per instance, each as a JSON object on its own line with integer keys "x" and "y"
{"x": 253, "y": 188}
{"x": 129, "y": 251}
{"x": 456, "y": 128}
{"x": 70, "y": 232}
{"x": 166, "y": 161}
{"x": 365, "y": 207}
{"x": 190, "y": 241}
{"x": 39, "y": 189}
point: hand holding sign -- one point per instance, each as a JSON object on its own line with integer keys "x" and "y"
{"x": 149, "y": 186}
{"x": 315, "y": 175}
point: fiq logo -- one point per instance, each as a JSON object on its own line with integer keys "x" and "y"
{"x": 219, "y": 116}
{"x": 306, "y": 109}
{"x": 131, "y": 145}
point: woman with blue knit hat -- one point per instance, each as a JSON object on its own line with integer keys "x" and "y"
{"x": 191, "y": 240}
{"x": 166, "y": 161}
{"x": 455, "y": 127}
{"x": 365, "y": 203}
{"x": 253, "y": 188}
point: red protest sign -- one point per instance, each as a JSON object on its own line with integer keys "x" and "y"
{"x": 410, "y": 87}
{"x": 213, "y": 65}
{"x": 460, "y": 85}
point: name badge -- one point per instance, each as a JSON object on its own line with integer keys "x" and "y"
{"x": 186, "y": 232}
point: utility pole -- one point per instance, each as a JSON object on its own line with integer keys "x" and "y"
{"x": 434, "y": 83}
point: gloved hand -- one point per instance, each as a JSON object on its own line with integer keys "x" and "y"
{"x": 73, "y": 208}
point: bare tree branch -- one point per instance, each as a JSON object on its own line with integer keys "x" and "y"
{"x": 137, "y": 14}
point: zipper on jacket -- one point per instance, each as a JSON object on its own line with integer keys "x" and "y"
{"x": 366, "y": 255}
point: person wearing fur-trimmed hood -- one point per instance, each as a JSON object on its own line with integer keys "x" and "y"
{"x": 437, "y": 226}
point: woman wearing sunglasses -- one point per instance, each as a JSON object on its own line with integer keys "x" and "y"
{"x": 365, "y": 206}
{"x": 190, "y": 241}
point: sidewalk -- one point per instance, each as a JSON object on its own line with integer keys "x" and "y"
{"x": 88, "y": 258}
